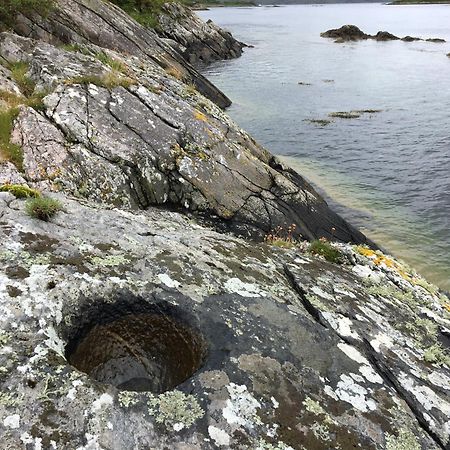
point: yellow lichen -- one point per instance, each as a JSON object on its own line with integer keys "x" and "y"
{"x": 200, "y": 116}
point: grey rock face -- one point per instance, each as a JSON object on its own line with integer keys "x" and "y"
{"x": 198, "y": 42}
{"x": 103, "y": 24}
{"x": 301, "y": 353}
{"x": 136, "y": 137}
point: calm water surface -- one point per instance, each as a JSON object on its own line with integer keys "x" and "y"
{"x": 388, "y": 173}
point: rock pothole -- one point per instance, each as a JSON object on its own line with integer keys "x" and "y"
{"x": 152, "y": 350}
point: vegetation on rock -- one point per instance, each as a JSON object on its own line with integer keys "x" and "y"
{"x": 323, "y": 248}
{"x": 8, "y": 151}
{"x": 43, "y": 208}
{"x": 10, "y": 8}
{"x": 20, "y": 191}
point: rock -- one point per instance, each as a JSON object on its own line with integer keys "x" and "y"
{"x": 352, "y": 33}
{"x": 301, "y": 353}
{"x": 346, "y": 33}
{"x": 436, "y": 40}
{"x": 385, "y": 36}
{"x": 9, "y": 174}
{"x": 201, "y": 42}
{"x": 137, "y": 137}
{"x": 106, "y": 25}
{"x": 411, "y": 39}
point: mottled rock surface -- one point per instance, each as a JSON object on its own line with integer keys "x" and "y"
{"x": 302, "y": 353}
{"x": 352, "y": 33}
{"x": 198, "y": 42}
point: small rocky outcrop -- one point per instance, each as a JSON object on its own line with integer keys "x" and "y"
{"x": 348, "y": 33}
{"x": 197, "y": 41}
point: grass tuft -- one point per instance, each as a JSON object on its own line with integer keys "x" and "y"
{"x": 109, "y": 81}
{"x": 323, "y": 248}
{"x": 43, "y": 208}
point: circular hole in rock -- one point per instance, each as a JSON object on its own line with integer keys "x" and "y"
{"x": 139, "y": 352}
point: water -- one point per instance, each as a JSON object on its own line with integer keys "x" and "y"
{"x": 389, "y": 172}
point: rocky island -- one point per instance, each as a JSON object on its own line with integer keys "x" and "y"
{"x": 168, "y": 283}
{"x": 349, "y": 33}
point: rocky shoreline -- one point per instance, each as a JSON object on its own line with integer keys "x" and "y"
{"x": 190, "y": 291}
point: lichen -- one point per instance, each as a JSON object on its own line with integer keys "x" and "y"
{"x": 127, "y": 399}
{"x": 436, "y": 355}
{"x": 405, "y": 440}
{"x": 174, "y": 409}
{"x": 109, "y": 261}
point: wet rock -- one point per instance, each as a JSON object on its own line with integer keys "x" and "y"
{"x": 197, "y": 41}
{"x": 436, "y": 40}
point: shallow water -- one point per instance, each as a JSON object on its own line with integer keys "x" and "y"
{"x": 388, "y": 172}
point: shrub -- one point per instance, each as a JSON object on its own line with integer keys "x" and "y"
{"x": 43, "y": 208}
{"x": 143, "y": 11}
{"x": 10, "y": 8}
{"x": 323, "y": 248}
{"x": 20, "y": 191}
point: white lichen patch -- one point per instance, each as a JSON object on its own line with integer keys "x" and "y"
{"x": 236, "y": 286}
{"x": 12, "y": 421}
{"x": 241, "y": 407}
{"x": 351, "y": 392}
{"x": 342, "y": 325}
{"x": 220, "y": 437}
{"x": 103, "y": 401}
{"x": 169, "y": 282}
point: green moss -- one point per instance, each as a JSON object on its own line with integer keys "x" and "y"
{"x": 43, "y": 208}
{"x": 325, "y": 249}
{"x": 20, "y": 191}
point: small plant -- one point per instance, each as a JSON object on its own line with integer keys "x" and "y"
{"x": 43, "y": 208}
{"x": 279, "y": 237}
{"x": 19, "y": 72}
{"x": 20, "y": 191}
{"x": 175, "y": 72}
{"x": 115, "y": 64}
{"x": 323, "y": 248}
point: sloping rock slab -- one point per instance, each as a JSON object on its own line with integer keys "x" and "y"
{"x": 274, "y": 377}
